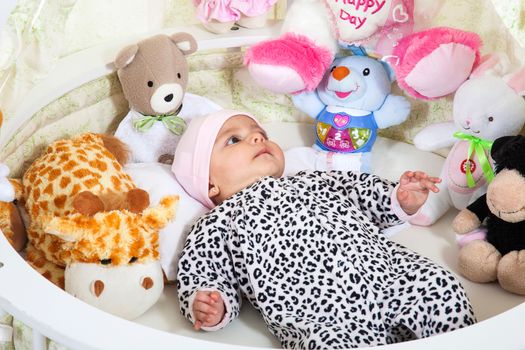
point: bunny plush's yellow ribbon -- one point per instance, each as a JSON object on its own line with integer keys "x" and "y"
{"x": 477, "y": 146}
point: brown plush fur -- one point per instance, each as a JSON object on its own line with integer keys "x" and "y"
{"x": 116, "y": 147}
{"x": 158, "y": 60}
{"x": 12, "y": 225}
{"x": 481, "y": 255}
{"x": 87, "y": 203}
{"x": 465, "y": 221}
{"x": 510, "y": 272}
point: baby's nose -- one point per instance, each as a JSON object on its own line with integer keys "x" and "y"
{"x": 257, "y": 137}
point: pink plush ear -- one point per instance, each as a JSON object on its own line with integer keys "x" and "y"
{"x": 435, "y": 62}
{"x": 517, "y": 81}
{"x": 492, "y": 63}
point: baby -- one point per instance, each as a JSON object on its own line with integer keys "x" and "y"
{"x": 305, "y": 250}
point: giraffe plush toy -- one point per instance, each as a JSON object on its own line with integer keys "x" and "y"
{"x": 87, "y": 218}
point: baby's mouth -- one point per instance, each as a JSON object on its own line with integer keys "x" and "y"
{"x": 262, "y": 152}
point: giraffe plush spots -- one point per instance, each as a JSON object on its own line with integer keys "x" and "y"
{"x": 87, "y": 216}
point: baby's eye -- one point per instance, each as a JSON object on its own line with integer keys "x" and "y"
{"x": 491, "y": 119}
{"x": 233, "y": 140}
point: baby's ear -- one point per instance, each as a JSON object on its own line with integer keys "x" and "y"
{"x": 213, "y": 192}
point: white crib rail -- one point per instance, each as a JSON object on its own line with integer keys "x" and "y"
{"x": 61, "y": 317}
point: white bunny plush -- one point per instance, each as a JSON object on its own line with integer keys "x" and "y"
{"x": 486, "y": 106}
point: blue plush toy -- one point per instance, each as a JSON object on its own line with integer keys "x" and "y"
{"x": 352, "y": 101}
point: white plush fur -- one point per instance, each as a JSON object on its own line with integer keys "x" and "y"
{"x": 309, "y": 18}
{"x": 80, "y": 278}
{"x": 486, "y": 107}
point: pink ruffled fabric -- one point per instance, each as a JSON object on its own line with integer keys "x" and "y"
{"x": 231, "y": 10}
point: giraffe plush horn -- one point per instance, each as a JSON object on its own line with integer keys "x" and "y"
{"x": 87, "y": 203}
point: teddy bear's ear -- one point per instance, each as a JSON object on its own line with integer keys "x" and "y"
{"x": 185, "y": 42}
{"x": 126, "y": 56}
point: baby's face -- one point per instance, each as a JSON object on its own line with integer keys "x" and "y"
{"x": 241, "y": 155}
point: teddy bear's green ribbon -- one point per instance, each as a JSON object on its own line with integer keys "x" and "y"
{"x": 478, "y": 146}
{"x": 173, "y": 123}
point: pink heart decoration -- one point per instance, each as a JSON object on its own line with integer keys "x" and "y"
{"x": 341, "y": 120}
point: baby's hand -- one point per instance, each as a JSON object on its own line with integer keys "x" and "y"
{"x": 208, "y": 309}
{"x": 413, "y": 190}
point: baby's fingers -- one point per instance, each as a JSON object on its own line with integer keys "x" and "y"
{"x": 430, "y": 185}
{"x": 434, "y": 179}
{"x": 205, "y": 297}
{"x": 215, "y": 296}
{"x": 200, "y": 306}
{"x": 406, "y": 178}
{"x": 203, "y": 317}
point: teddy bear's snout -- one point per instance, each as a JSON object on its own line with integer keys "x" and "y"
{"x": 504, "y": 192}
{"x": 167, "y": 98}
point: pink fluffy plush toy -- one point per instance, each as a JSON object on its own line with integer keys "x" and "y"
{"x": 313, "y": 31}
{"x": 433, "y": 63}
{"x": 218, "y": 16}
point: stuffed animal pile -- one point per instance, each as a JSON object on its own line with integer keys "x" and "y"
{"x": 501, "y": 256}
{"x": 486, "y": 106}
{"x": 87, "y": 216}
{"x": 313, "y": 31}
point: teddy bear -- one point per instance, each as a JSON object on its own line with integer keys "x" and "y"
{"x": 352, "y": 101}
{"x": 91, "y": 230}
{"x": 154, "y": 76}
{"x": 500, "y": 256}
{"x": 218, "y": 16}
{"x": 485, "y": 107}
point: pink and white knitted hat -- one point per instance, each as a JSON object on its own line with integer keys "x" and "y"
{"x": 191, "y": 165}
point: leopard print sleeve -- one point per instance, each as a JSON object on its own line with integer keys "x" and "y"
{"x": 205, "y": 265}
{"x": 371, "y": 194}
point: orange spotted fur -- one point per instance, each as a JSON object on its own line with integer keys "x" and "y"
{"x": 50, "y": 185}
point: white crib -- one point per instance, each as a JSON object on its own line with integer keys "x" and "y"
{"x": 54, "y": 314}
